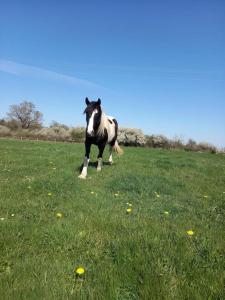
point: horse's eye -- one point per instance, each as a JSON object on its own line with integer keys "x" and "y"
{"x": 88, "y": 115}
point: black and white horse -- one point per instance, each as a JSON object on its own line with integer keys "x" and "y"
{"x": 101, "y": 130}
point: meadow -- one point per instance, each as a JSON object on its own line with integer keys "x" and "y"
{"x": 169, "y": 245}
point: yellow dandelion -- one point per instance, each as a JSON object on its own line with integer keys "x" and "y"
{"x": 29, "y": 187}
{"x": 190, "y": 232}
{"x": 54, "y": 168}
{"x": 205, "y": 196}
{"x": 49, "y": 194}
{"x": 92, "y": 193}
{"x": 51, "y": 162}
{"x": 80, "y": 271}
{"x": 116, "y": 194}
{"x": 129, "y": 210}
{"x": 59, "y": 215}
{"x": 166, "y": 212}
{"x": 2, "y": 219}
{"x": 12, "y": 215}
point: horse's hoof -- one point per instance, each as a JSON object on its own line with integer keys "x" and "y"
{"x": 82, "y": 176}
{"x": 110, "y": 162}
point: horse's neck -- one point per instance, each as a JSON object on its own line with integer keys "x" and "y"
{"x": 102, "y": 125}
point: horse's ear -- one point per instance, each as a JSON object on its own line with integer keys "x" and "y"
{"x": 87, "y": 101}
{"x": 99, "y": 101}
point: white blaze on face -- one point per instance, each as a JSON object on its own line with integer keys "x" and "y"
{"x": 91, "y": 122}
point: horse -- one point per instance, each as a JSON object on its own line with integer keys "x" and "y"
{"x": 100, "y": 130}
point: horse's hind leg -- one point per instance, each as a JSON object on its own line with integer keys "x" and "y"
{"x": 101, "y": 150}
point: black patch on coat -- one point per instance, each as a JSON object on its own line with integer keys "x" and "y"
{"x": 112, "y": 143}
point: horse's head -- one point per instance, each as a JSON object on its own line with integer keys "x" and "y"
{"x": 93, "y": 113}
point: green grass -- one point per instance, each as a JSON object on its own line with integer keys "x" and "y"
{"x": 142, "y": 255}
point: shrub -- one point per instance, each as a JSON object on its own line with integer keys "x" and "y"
{"x": 157, "y": 141}
{"x": 126, "y": 136}
{"x": 4, "y": 131}
{"x": 53, "y": 134}
{"x": 131, "y": 137}
{"x": 204, "y": 146}
{"x": 55, "y": 124}
{"x": 3, "y": 122}
{"x": 22, "y": 133}
{"x": 78, "y": 134}
{"x": 191, "y": 145}
{"x": 176, "y": 143}
{"x": 12, "y": 124}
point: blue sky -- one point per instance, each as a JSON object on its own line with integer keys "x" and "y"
{"x": 156, "y": 65}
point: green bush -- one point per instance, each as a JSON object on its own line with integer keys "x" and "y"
{"x": 78, "y": 134}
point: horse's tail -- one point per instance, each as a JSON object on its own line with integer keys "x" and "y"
{"x": 117, "y": 148}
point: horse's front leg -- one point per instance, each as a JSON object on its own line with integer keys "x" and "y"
{"x": 101, "y": 148}
{"x": 110, "y": 155}
{"x": 83, "y": 174}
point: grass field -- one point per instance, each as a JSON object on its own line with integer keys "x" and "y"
{"x": 144, "y": 254}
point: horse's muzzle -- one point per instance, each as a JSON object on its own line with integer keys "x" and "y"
{"x": 91, "y": 133}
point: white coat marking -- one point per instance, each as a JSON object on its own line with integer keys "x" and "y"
{"x": 110, "y": 128}
{"x": 85, "y": 167}
{"x": 91, "y": 122}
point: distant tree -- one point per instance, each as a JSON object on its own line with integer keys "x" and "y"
{"x": 191, "y": 145}
{"x": 3, "y": 122}
{"x": 56, "y": 124}
{"x": 26, "y": 114}
{"x": 191, "y": 142}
